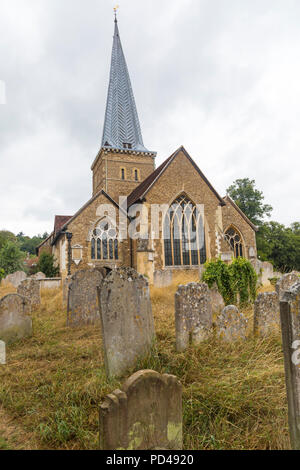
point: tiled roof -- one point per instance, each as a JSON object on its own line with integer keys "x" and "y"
{"x": 59, "y": 222}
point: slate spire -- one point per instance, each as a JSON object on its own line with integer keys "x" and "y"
{"x": 121, "y": 126}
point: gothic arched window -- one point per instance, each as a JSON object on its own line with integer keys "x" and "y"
{"x": 234, "y": 239}
{"x": 184, "y": 235}
{"x": 104, "y": 242}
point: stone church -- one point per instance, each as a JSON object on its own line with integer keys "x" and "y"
{"x": 125, "y": 168}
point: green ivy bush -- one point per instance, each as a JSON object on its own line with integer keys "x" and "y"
{"x": 236, "y": 281}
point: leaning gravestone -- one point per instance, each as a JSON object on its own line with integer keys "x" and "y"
{"x": 31, "y": 289}
{"x": 145, "y": 415}
{"x": 290, "y": 325}
{"x": 284, "y": 284}
{"x": 266, "y": 314}
{"x": 231, "y": 325}
{"x": 193, "y": 314}
{"x": 127, "y": 320}
{"x": 2, "y": 353}
{"x": 83, "y": 308}
{"x": 15, "y": 279}
{"x": 15, "y": 322}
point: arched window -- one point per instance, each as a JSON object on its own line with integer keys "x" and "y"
{"x": 234, "y": 239}
{"x": 104, "y": 242}
{"x": 184, "y": 235}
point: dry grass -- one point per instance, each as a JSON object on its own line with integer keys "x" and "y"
{"x": 234, "y": 395}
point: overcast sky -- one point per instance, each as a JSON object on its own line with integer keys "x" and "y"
{"x": 221, "y": 77}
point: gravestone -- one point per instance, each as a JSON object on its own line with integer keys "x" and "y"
{"x": 31, "y": 288}
{"x": 15, "y": 322}
{"x": 15, "y": 279}
{"x": 2, "y": 353}
{"x": 83, "y": 308}
{"x": 127, "y": 320}
{"x": 284, "y": 283}
{"x": 145, "y": 415}
{"x": 231, "y": 325}
{"x": 193, "y": 314}
{"x": 290, "y": 325}
{"x": 38, "y": 276}
{"x": 217, "y": 301}
{"x": 266, "y": 314}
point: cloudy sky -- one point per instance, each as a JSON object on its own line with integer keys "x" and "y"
{"x": 221, "y": 77}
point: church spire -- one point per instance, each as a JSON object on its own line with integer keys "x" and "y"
{"x": 121, "y": 126}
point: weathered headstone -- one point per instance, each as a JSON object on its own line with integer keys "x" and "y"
{"x": 145, "y": 415}
{"x": 231, "y": 325}
{"x": 15, "y": 322}
{"x": 83, "y": 308}
{"x": 266, "y": 314}
{"x": 2, "y": 353}
{"x": 217, "y": 301}
{"x": 193, "y": 314}
{"x": 38, "y": 276}
{"x": 127, "y": 320}
{"x": 31, "y": 288}
{"x": 284, "y": 283}
{"x": 290, "y": 325}
{"x": 15, "y": 279}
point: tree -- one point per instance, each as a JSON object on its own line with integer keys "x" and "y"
{"x": 27, "y": 244}
{"x": 280, "y": 245}
{"x": 11, "y": 258}
{"x": 249, "y": 200}
{"x": 47, "y": 265}
{"x": 6, "y": 236}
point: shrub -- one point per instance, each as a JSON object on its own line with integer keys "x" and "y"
{"x": 11, "y": 258}
{"x": 47, "y": 265}
{"x": 235, "y": 281}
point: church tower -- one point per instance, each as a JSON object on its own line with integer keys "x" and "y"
{"x": 123, "y": 162}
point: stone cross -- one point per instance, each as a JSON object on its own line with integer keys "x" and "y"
{"x": 2, "y": 353}
{"x": 126, "y": 318}
{"x": 290, "y": 324}
{"x": 145, "y": 415}
{"x": 193, "y": 314}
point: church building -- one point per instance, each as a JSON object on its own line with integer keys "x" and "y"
{"x": 124, "y": 175}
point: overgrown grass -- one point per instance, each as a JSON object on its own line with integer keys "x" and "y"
{"x": 233, "y": 395}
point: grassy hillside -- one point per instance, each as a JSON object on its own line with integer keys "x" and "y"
{"x": 234, "y": 395}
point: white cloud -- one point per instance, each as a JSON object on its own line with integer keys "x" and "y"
{"x": 221, "y": 78}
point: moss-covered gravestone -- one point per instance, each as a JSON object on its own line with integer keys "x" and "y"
{"x": 127, "y": 320}
{"x": 231, "y": 325}
{"x": 145, "y": 415}
{"x": 266, "y": 314}
{"x": 15, "y": 322}
{"x": 31, "y": 288}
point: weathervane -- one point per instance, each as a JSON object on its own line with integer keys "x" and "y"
{"x": 115, "y": 10}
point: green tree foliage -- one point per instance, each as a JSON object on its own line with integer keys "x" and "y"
{"x": 280, "y": 245}
{"x": 47, "y": 265}
{"x": 11, "y": 258}
{"x": 250, "y": 200}
{"x": 27, "y": 244}
{"x": 6, "y": 236}
{"x": 238, "y": 279}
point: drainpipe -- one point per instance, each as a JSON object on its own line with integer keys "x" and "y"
{"x": 69, "y": 238}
